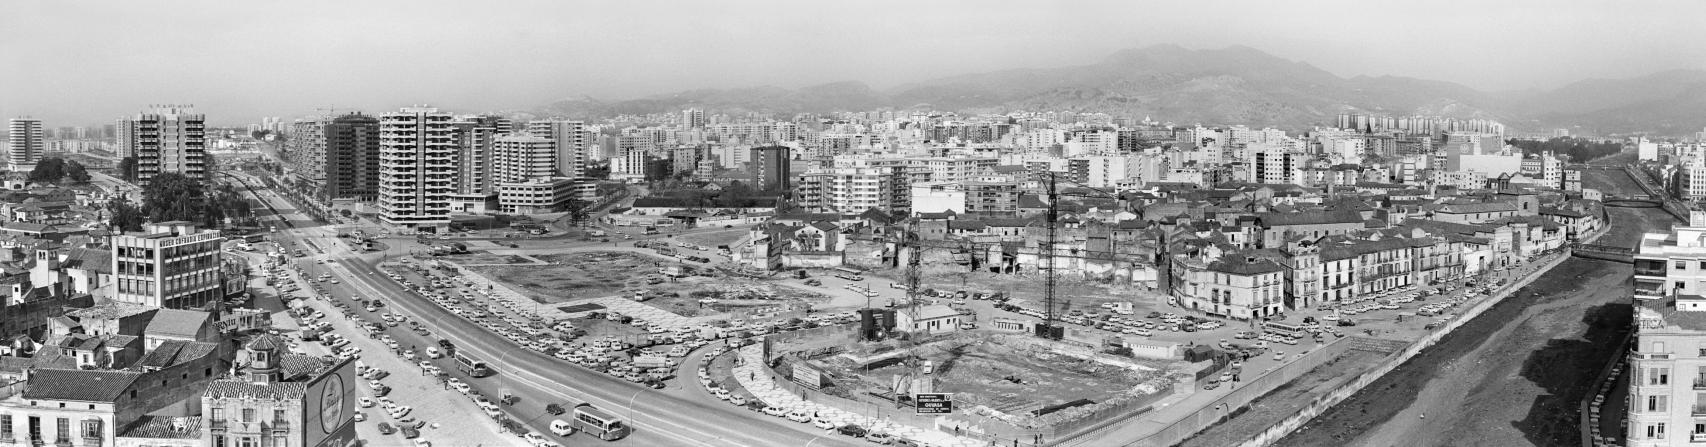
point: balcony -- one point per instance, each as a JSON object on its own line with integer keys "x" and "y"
{"x": 1698, "y": 410}
{"x": 1697, "y": 437}
{"x": 1650, "y": 272}
{"x": 281, "y": 424}
{"x": 91, "y": 442}
{"x": 1700, "y": 383}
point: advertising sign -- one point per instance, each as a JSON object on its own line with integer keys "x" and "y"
{"x": 933, "y": 403}
{"x": 328, "y": 411}
{"x": 807, "y": 376}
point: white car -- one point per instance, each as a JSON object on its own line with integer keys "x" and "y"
{"x": 775, "y": 411}
{"x": 366, "y": 402}
{"x": 799, "y": 415}
{"x": 535, "y": 439}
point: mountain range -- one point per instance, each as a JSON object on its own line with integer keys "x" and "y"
{"x": 1233, "y": 85}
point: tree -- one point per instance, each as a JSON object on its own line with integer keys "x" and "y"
{"x": 579, "y": 210}
{"x": 124, "y": 216}
{"x": 735, "y": 195}
{"x": 48, "y": 170}
{"x": 76, "y": 172}
{"x": 172, "y": 196}
{"x": 598, "y": 171}
{"x": 127, "y": 169}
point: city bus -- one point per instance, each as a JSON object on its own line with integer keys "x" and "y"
{"x": 599, "y": 423}
{"x": 471, "y": 366}
{"x": 1286, "y": 329}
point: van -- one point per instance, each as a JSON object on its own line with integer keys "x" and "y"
{"x": 562, "y": 428}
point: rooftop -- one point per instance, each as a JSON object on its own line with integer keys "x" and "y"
{"x": 79, "y": 385}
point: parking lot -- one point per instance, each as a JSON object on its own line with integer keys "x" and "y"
{"x": 418, "y": 397}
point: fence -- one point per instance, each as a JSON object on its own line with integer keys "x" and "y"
{"x": 1247, "y": 392}
{"x": 1590, "y": 405}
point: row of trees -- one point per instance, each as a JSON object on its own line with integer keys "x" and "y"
{"x": 173, "y": 196}
{"x": 1579, "y": 150}
{"x": 54, "y": 170}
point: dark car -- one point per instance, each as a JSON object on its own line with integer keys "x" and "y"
{"x": 853, "y": 430}
{"x": 386, "y": 429}
{"x": 554, "y": 409}
{"x": 410, "y": 432}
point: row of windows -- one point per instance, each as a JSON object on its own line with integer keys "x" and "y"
{"x": 91, "y": 428}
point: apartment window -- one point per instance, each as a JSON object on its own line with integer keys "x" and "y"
{"x": 218, "y": 440}
{"x": 92, "y": 429}
{"x": 64, "y": 426}
{"x": 1658, "y": 376}
{"x": 248, "y": 415}
{"x": 1656, "y": 431}
{"x": 217, "y": 414}
{"x": 1656, "y": 404}
{"x": 1680, "y": 265}
{"x": 278, "y": 415}
{"x": 6, "y": 426}
{"x": 1658, "y": 346}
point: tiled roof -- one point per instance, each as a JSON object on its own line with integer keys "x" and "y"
{"x": 234, "y": 388}
{"x": 110, "y": 310}
{"x": 93, "y": 259}
{"x": 1337, "y": 251}
{"x": 78, "y": 385}
{"x": 164, "y": 427}
{"x": 295, "y": 365}
{"x": 1485, "y": 207}
{"x": 1309, "y": 218}
{"x": 264, "y": 342}
{"x": 1234, "y": 263}
{"x": 177, "y": 323}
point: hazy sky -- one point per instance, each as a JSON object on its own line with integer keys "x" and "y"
{"x": 87, "y": 62}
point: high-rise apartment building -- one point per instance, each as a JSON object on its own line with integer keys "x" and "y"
{"x": 172, "y": 265}
{"x": 574, "y": 142}
{"x": 693, "y": 118}
{"x": 26, "y": 144}
{"x": 522, "y": 157}
{"x": 165, "y": 139}
{"x": 1667, "y": 359}
{"x": 417, "y": 168}
{"x": 338, "y": 158}
{"x": 770, "y": 168}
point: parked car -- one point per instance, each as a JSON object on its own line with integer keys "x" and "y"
{"x": 853, "y": 430}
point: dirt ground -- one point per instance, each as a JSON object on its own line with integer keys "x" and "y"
{"x": 1514, "y": 375}
{"x": 1077, "y": 293}
{"x": 482, "y": 257}
{"x": 1288, "y": 399}
{"x": 1010, "y": 379}
{"x": 713, "y": 239}
{"x": 575, "y": 275}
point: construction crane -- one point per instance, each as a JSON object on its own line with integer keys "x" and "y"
{"x": 1047, "y": 330}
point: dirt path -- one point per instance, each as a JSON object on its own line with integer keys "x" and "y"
{"x": 1514, "y": 375}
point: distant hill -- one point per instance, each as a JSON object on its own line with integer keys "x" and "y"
{"x": 1234, "y": 85}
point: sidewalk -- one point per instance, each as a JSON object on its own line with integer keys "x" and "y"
{"x": 757, "y": 380}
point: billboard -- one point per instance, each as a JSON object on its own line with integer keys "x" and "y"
{"x": 807, "y": 376}
{"x": 933, "y": 403}
{"x": 328, "y": 410}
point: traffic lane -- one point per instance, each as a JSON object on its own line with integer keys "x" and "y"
{"x": 409, "y": 386}
{"x": 529, "y": 411}
{"x": 701, "y": 420}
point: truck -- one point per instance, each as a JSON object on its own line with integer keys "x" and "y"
{"x": 651, "y": 361}
{"x": 596, "y": 233}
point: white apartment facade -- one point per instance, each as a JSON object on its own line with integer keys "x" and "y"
{"x": 520, "y": 158}
{"x": 25, "y": 146}
{"x": 417, "y": 168}
{"x": 171, "y": 265}
{"x": 165, "y": 139}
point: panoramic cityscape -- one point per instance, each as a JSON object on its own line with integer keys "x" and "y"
{"x": 944, "y": 224}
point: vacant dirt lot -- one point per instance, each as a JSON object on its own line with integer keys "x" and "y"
{"x": 576, "y": 275}
{"x": 713, "y": 239}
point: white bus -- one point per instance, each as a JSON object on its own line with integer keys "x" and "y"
{"x": 1286, "y": 329}
{"x": 471, "y": 366}
{"x": 599, "y": 423}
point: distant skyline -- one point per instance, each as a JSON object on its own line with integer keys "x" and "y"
{"x": 87, "y": 63}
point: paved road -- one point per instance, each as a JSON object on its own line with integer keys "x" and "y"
{"x": 677, "y": 416}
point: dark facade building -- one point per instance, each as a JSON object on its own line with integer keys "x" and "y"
{"x": 770, "y": 168}
{"x": 352, "y": 158}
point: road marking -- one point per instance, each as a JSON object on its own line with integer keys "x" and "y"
{"x": 362, "y": 280}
